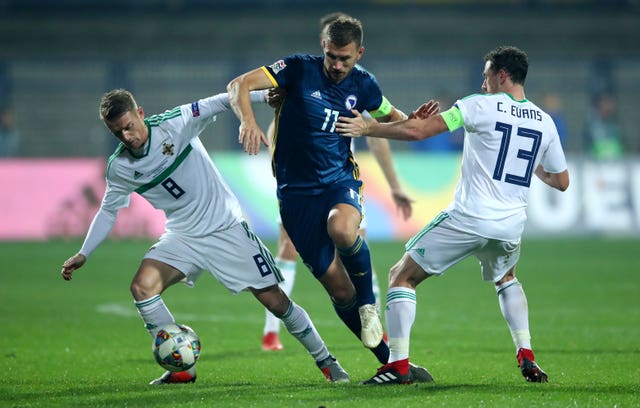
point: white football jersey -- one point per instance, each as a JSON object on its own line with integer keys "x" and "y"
{"x": 175, "y": 173}
{"x": 504, "y": 142}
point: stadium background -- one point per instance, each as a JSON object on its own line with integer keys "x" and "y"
{"x": 57, "y": 58}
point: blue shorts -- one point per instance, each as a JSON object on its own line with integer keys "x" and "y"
{"x": 305, "y": 219}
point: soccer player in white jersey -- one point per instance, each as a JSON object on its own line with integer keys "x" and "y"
{"x": 507, "y": 140}
{"x": 286, "y": 254}
{"x": 162, "y": 159}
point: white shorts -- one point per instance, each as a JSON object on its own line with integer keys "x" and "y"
{"x": 235, "y": 257}
{"x": 440, "y": 245}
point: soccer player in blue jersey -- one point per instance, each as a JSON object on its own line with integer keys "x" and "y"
{"x": 319, "y": 190}
{"x": 286, "y": 254}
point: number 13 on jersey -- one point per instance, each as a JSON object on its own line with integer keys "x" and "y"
{"x": 528, "y": 155}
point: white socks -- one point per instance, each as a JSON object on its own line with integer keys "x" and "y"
{"x": 513, "y": 304}
{"x": 288, "y": 270}
{"x": 154, "y": 313}
{"x": 298, "y": 323}
{"x": 400, "y": 316}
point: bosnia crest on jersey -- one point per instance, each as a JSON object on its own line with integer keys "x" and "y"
{"x": 350, "y": 102}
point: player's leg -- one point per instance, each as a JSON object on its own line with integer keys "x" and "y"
{"x": 168, "y": 262}
{"x": 286, "y": 261}
{"x": 404, "y": 276}
{"x": 152, "y": 278}
{"x": 342, "y": 226}
{"x": 430, "y": 252}
{"x": 240, "y": 261}
{"x": 495, "y": 260}
{"x": 342, "y": 293}
{"x": 297, "y": 322}
{"x": 375, "y": 282}
{"x": 305, "y": 221}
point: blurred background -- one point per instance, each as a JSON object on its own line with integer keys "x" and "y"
{"x": 58, "y": 57}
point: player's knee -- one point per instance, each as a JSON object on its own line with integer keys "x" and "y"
{"x": 142, "y": 288}
{"x": 274, "y": 299}
{"x": 342, "y": 230}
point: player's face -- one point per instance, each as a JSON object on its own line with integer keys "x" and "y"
{"x": 130, "y": 129}
{"x": 491, "y": 79}
{"x": 339, "y": 61}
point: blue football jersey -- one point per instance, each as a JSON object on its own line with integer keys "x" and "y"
{"x": 309, "y": 154}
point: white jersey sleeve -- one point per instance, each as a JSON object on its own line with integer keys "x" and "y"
{"x": 100, "y": 227}
{"x": 504, "y": 142}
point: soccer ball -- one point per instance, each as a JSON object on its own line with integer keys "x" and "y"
{"x": 176, "y": 347}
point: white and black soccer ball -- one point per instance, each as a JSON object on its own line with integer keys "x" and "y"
{"x": 176, "y": 347}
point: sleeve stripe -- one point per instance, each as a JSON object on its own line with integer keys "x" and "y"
{"x": 271, "y": 78}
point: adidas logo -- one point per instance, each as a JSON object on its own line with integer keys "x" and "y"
{"x": 420, "y": 251}
{"x": 137, "y": 175}
{"x": 316, "y": 95}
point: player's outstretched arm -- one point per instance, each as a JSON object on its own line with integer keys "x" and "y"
{"x": 71, "y": 264}
{"x": 99, "y": 229}
{"x": 426, "y": 110}
{"x": 410, "y": 129}
{"x": 250, "y": 134}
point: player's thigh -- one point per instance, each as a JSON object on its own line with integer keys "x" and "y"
{"x": 239, "y": 260}
{"x": 179, "y": 253}
{"x": 152, "y": 278}
{"x": 440, "y": 245}
{"x": 305, "y": 220}
{"x": 498, "y": 258}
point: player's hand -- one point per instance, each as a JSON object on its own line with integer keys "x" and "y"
{"x": 404, "y": 203}
{"x": 354, "y": 127}
{"x": 250, "y": 137}
{"x": 426, "y": 110}
{"x": 275, "y": 97}
{"x": 71, "y": 264}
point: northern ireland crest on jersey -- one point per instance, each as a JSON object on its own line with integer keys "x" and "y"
{"x": 167, "y": 149}
{"x": 350, "y": 102}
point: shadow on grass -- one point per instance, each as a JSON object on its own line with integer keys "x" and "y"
{"x": 249, "y": 393}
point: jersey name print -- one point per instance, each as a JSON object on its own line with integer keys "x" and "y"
{"x": 518, "y": 112}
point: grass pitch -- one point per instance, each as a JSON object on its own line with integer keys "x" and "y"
{"x": 81, "y": 343}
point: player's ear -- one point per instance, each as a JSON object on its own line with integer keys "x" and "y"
{"x": 140, "y": 112}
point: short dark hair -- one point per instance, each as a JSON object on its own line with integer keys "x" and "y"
{"x": 512, "y": 60}
{"x": 116, "y": 103}
{"x": 344, "y": 31}
{"x": 330, "y": 18}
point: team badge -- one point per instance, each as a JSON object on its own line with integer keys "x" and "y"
{"x": 350, "y": 102}
{"x": 167, "y": 149}
{"x": 195, "y": 109}
{"x": 278, "y": 66}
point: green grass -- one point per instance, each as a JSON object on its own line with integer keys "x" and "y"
{"x": 81, "y": 343}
